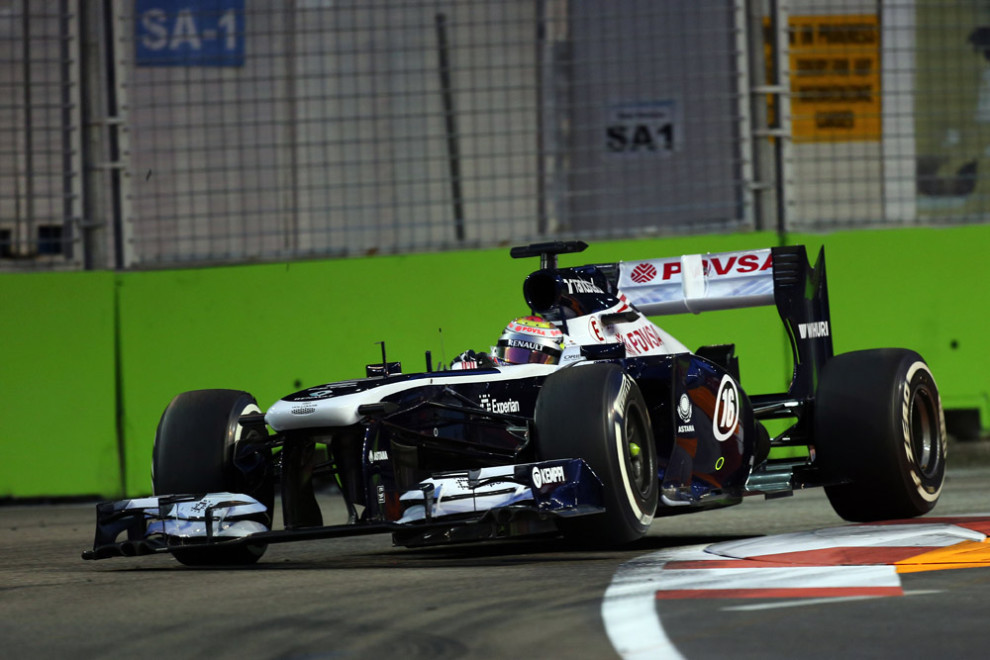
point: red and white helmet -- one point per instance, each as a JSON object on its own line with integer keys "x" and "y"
{"x": 530, "y": 339}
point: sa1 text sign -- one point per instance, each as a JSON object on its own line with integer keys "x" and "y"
{"x": 189, "y": 33}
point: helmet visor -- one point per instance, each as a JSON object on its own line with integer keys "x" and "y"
{"x": 525, "y": 355}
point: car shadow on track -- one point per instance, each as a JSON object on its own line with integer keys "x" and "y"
{"x": 317, "y": 555}
{"x": 328, "y": 556}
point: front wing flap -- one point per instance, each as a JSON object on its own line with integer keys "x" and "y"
{"x": 157, "y": 524}
{"x": 494, "y": 502}
{"x": 565, "y": 486}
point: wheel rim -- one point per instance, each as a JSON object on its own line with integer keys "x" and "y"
{"x": 924, "y": 434}
{"x": 637, "y": 455}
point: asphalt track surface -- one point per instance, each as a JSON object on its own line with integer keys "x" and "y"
{"x": 362, "y": 598}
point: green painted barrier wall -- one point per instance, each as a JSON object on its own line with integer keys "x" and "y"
{"x": 58, "y": 433}
{"x": 274, "y": 328}
{"x": 926, "y": 289}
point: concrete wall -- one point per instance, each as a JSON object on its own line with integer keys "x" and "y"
{"x": 68, "y": 367}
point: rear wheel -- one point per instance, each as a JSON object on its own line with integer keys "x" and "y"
{"x": 879, "y": 424}
{"x": 194, "y": 453}
{"x": 597, "y": 413}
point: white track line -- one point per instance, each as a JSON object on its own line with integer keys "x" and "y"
{"x": 629, "y": 607}
{"x": 816, "y": 601}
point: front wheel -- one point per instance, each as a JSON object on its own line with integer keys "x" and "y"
{"x": 195, "y": 452}
{"x": 597, "y": 413}
{"x": 879, "y": 426}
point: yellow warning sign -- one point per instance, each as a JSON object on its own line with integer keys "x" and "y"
{"x": 834, "y": 77}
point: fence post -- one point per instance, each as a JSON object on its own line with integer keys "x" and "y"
{"x": 748, "y": 151}
{"x": 897, "y": 39}
{"x": 105, "y": 218}
{"x": 784, "y": 152}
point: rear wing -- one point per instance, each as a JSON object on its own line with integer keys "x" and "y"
{"x": 698, "y": 283}
{"x": 780, "y": 276}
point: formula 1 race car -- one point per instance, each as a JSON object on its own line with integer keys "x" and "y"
{"x": 586, "y": 421}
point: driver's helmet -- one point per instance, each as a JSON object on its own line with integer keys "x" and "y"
{"x": 530, "y": 339}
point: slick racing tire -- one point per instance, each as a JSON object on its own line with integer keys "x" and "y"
{"x": 597, "y": 413}
{"x": 194, "y": 454}
{"x": 879, "y": 426}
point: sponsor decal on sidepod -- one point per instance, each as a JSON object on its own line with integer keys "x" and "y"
{"x": 726, "y": 417}
{"x": 684, "y": 411}
{"x": 494, "y": 405}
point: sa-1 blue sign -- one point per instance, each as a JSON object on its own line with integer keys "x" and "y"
{"x": 189, "y": 32}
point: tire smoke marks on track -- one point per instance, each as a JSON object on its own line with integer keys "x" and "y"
{"x": 840, "y": 563}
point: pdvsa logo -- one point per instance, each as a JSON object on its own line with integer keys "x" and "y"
{"x": 732, "y": 264}
{"x": 643, "y": 273}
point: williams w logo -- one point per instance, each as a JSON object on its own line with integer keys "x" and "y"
{"x": 813, "y": 330}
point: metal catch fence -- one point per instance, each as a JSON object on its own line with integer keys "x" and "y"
{"x": 153, "y": 133}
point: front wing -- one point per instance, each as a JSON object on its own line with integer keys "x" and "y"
{"x": 473, "y": 505}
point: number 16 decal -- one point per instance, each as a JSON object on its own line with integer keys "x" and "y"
{"x": 726, "y": 417}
